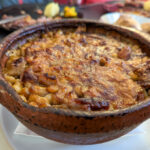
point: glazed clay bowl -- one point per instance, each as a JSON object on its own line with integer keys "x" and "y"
{"x": 68, "y": 126}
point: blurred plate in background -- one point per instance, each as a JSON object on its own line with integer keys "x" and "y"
{"x": 111, "y": 18}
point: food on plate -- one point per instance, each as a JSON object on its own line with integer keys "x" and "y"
{"x": 51, "y": 10}
{"x": 136, "y": 7}
{"x": 134, "y": 3}
{"x": 128, "y": 21}
{"x": 28, "y": 20}
{"x": 72, "y": 68}
{"x": 146, "y": 27}
{"x": 70, "y": 12}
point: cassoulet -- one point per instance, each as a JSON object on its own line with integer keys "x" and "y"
{"x": 80, "y": 70}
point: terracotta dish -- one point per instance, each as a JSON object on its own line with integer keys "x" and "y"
{"x": 68, "y": 125}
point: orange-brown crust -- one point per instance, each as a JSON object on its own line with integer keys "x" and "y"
{"x": 78, "y": 70}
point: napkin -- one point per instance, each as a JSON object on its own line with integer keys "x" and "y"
{"x": 22, "y": 130}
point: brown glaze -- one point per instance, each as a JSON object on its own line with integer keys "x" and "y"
{"x": 67, "y": 126}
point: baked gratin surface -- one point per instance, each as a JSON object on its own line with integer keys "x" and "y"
{"x": 79, "y": 69}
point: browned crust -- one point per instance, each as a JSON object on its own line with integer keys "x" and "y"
{"x": 106, "y": 125}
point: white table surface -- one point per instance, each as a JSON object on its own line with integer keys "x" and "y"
{"x": 4, "y": 145}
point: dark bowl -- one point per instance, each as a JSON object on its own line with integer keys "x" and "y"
{"x": 68, "y": 126}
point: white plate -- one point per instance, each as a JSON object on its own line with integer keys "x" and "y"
{"x": 111, "y": 18}
{"x": 138, "y": 139}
